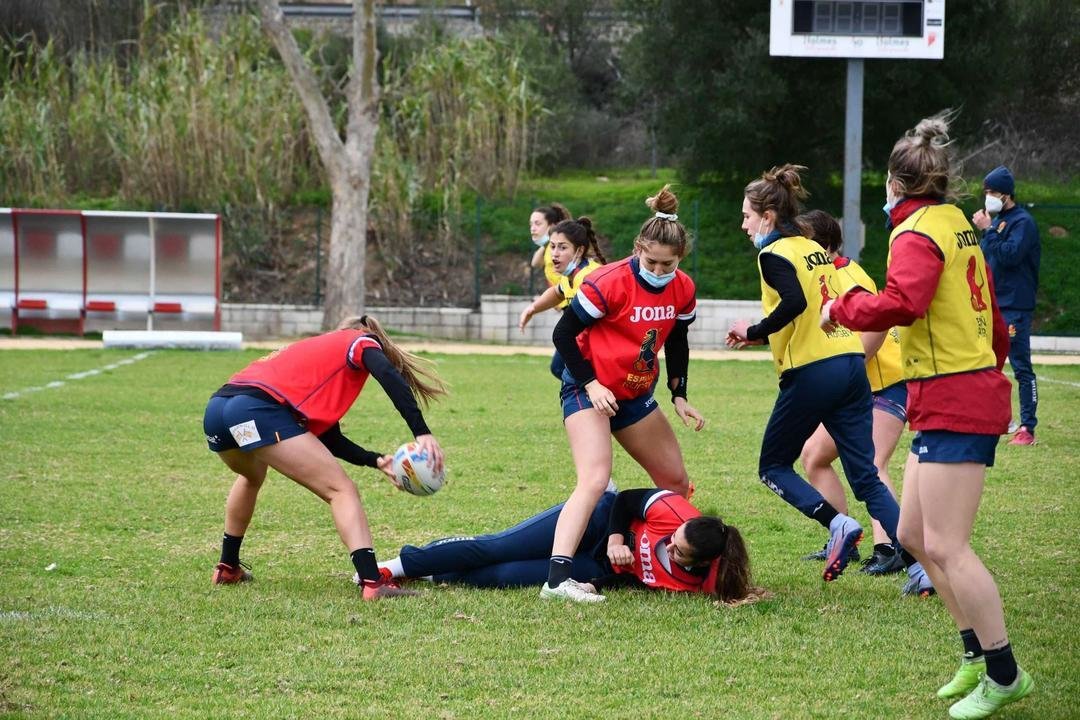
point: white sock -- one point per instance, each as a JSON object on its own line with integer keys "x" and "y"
{"x": 394, "y": 566}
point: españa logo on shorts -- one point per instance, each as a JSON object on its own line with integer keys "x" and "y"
{"x": 245, "y": 433}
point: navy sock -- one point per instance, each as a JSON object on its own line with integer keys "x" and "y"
{"x": 1001, "y": 665}
{"x": 230, "y": 549}
{"x": 364, "y": 562}
{"x": 908, "y": 558}
{"x": 824, "y": 514}
{"x": 559, "y": 570}
{"x": 972, "y": 649}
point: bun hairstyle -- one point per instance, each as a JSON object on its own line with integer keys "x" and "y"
{"x": 821, "y": 227}
{"x": 666, "y": 231}
{"x": 554, "y": 213}
{"x": 921, "y": 163}
{"x": 780, "y": 190}
{"x": 580, "y": 233}
{"x": 418, "y": 372}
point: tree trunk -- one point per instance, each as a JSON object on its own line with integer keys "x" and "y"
{"x": 348, "y": 163}
{"x": 345, "y": 285}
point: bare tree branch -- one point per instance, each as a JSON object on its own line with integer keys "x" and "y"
{"x": 323, "y": 130}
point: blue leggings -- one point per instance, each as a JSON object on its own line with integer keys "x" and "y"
{"x": 836, "y": 393}
{"x": 514, "y": 557}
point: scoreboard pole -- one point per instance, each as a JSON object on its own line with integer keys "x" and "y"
{"x": 853, "y": 126}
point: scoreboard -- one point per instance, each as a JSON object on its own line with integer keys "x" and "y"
{"x": 897, "y": 29}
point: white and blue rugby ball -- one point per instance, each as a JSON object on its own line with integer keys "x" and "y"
{"x": 414, "y": 469}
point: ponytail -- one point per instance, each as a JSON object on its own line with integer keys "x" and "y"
{"x": 733, "y": 581}
{"x": 581, "y": 234}
{"x": 711, "y": 540}
{"x": 418, "y": 372}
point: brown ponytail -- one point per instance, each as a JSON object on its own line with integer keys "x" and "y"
{"x": 417, "y": 371}
{"x": 709, "y": 539}
{"x": 780, "y": 190}
{"x": 581, "y": 234}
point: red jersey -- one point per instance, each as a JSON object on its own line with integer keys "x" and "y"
{"x": 318, "y": 377}
{"x": 627, "y": 323}
{"x": 664, "y": 512}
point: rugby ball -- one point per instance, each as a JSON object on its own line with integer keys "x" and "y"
{"x": 414, "y": 469}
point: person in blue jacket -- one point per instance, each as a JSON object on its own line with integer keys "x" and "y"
{"x": 1010, "y": 243}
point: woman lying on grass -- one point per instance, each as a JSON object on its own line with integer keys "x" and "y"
{"x": 647, "y": 538}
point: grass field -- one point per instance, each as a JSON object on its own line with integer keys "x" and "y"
{"x": 106, "y": 480}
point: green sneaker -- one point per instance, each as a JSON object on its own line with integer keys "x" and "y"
{"x": 989, "y": 697}
{"x": 965, "y": 679}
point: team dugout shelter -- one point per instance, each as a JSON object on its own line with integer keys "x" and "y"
{"x": 73, "y": 270}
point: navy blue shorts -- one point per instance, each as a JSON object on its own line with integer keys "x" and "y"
{"x": 893, "y": 400}
{"x": 575, "y": 399}
{"x": 247, "y": 422}
{"x": 945, "y": 446}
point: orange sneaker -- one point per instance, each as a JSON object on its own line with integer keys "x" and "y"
{"x": 1023, "y": 436}
{"x": 225, "y": 574}
{"x": 384, "y": 587}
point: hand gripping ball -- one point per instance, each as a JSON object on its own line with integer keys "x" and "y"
{"x": 414, "y": 469}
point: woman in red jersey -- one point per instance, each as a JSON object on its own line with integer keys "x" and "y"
{"x": 283, "y": 411}
{"x": 609, "y": 338}
{"x": 647, "y": 538}
{"x": 953, "y": 341}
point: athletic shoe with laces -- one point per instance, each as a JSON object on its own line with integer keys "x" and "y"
{"x": 569, "y": 589}
{"x": 844, "y": 534}
{"x": 919, "y": 583}
{"x": 853, "y": 556}
{"x": 225, "y": 574}
{"x": 385, "y": 587}
{"x": 965, "y": 679}
{"x": 1023, "y": 436}
{"x": 881, "y": 563}
{"x": 988, "y": 697}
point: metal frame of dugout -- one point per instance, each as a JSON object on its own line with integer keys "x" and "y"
{"x": 61, "y": 270}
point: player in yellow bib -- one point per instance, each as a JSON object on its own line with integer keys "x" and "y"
{"x": 541, "y": 220}
{"x": 887, "y": 387}
{"x": 822, "y": 373}
{"x": 940, "y": 292}
{"x": 574, "y": 254}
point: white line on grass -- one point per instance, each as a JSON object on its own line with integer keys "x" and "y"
{"x": 76, "y": 376}
{"x": 1043, "y": 378}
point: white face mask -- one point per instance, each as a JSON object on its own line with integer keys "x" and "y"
{"x": 541, "y": 241}
{"x": 993, "y": 204}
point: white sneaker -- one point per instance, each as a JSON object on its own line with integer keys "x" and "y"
{"x": 570, "y": 590}
{"x": 1013, "y": 427}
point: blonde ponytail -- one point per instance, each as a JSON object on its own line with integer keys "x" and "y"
{"x": 418, "y": 372}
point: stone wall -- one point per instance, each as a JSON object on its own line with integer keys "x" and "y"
{"x": 496, "y": 321}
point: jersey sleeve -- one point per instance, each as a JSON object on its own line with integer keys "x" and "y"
{"x": 590, "y": 303}
{"x": 688, "y": 311}
{"x": 355, "y": 353}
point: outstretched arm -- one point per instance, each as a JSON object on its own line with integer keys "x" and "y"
{"x": 401, "y": 395}
{"x": 547, "y": 300}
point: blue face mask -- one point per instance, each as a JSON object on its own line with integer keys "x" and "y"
{"x": 541, "y": 241}
{"x": 570, "y": 267}
{"x": 657, "y": 281}
{"x": 759, "y": 238}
